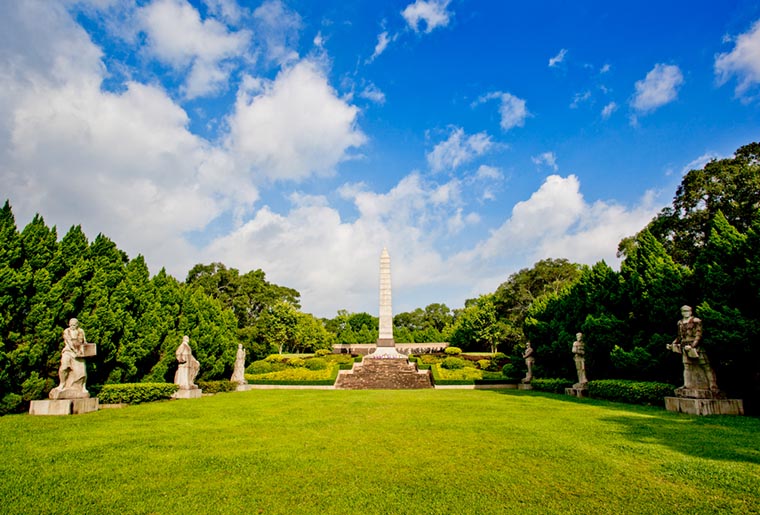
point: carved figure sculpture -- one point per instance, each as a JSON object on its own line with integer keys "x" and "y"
{"x": 697, "y": 372}
{"x": 579, "y": 355}
{"x": 529, "y": 360}
{"x": 238, "y": 373}
{"x": 188, "y": 366}
{"x": 72, "y": 373}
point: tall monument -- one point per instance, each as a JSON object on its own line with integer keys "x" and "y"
{"x": 385, "y": 337}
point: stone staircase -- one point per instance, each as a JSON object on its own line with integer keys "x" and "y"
{"x": 383, "y": 374}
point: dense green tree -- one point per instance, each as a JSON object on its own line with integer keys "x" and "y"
{"x": 477, "y": 328}
{"x": 730, "y": 186}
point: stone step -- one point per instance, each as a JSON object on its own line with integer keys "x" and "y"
{"x": 384, "y": 374}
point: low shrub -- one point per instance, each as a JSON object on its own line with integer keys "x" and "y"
{"x": 11, "y": 403}
{"x": 510, "y": 371}
{"x": 452, "y": 363}
{"x": 632, "y": 392}
{"x": 296, "y": 362}
{"x": 322, "y": 352}
{"x": 484, "y": 364}
{"x": 275, "y": 358}
{"x": 259, "y": 367}
{"x": 217, "y": 386}
{"x": 453, "y": 351}
{"x": 315, "y": 364}
{"x": 135, "y": 393}
{"x": 551, "y": 385}
{"x": 296, "y": 376}
{"x": 430, "y": 359}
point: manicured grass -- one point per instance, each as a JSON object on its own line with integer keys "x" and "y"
{"x": 379, "y": 452}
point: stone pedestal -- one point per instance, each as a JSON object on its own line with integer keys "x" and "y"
{"x": 63, "y": 406}
{"x": 694, "y": 406}
{"x": 195, "y": 393}
{"x": 524, "y": 386}
{"x": 577, "y": 392}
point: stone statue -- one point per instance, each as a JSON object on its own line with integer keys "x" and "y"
{"x": 238, "y": 373}
{"x": 72, "y": 373}
{"x": 529, "y": 360}
{"x": 699, "y": 379}
{"x": 188, "y": 366}
{"x": 579, "y": 352}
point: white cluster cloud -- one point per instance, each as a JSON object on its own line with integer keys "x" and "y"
{"x": 383, "y": 40}
{"x": 292, "y": 127}
{"x": 458, "y": 149}
{"x": 512, "y": 109}
{"x": 659, "y": 87}
{"x": 547, "y": 159}
{"x": 433, "y": 12}
{"x": 178, "y": 37}
{"x": 557, "y": 59}
{"x": 743, "y": 61}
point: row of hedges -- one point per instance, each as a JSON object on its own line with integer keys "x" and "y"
{"x": 618, "y": 390}
{"x": 297, "y": 376}
{"x": 466, "y": 375}
{"x": 135, "y": 393}
{"x": 217, "y": 386}
{"x": 632, "y": 392}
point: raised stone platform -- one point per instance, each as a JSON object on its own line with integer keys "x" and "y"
{"x": 524, "y": 386}
{"x": 196, "y": 393}
{"x": 577, "y": 392}
{"x": 705, "y": 406}
{"x": 63, "y": 406}
{"x": 384, "y": 373}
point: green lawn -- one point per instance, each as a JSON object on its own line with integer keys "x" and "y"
{"x": 379, "y": 452}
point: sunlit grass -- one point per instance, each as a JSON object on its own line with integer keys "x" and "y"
{"x": 366, "y": 452}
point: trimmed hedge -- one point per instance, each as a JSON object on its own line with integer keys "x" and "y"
{"x": 467, "y": 375}
{"x": 297, "y": 376}
{"x": 632, "y": 392}
{"x": 135, "y": 393}
{"x": 551, "y": 385}
{"x": 217, "y": 386}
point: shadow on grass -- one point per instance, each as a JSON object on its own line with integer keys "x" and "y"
{"x": 727, "y": 438}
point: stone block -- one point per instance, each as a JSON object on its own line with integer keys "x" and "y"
{"x": 577, "y": 392}
{"x": 79, "y": 406}
{"x": 63, "y": 407}
{"x": 705, "y": 406}
{"x": 51, "y": 407}
{"x": 523, "y": 386}
{"x": 196, "y": 393}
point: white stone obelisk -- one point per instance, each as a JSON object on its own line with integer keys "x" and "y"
{"x": 385, "y": 337}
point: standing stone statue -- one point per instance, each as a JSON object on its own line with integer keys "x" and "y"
{"x": 238, "y": 373}
{"x": 529, "y": 360}
{"x": 699, "y": 378}
{"x": 72, "y": 373}
{"x": 188, "y": 366}
{"x": 579, "y": 352}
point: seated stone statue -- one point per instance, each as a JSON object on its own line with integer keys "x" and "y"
{"x": 188, "y": 366}
{"x": 238, "y": 373}
{"x": 72, "y": 373}
{"x": 699, "y": 379}
{"x": 579, "y": 355}
{"x": 529, "y": 360}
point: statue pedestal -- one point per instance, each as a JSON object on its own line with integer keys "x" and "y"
{"x": 524, "y": 386}
{"x": 195, "y": 393}
{"x": 63, "y": 406}
{"x": 69, "y": 393}
{"x": 695, "y": 406}
{"x": 577, "y": 392}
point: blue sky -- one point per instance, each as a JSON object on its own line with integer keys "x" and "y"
{"x": 299, "y": 137}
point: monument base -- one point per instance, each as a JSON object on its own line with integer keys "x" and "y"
{"x": 705, "y": 406}
{"x": 577, "y": 392}
{"x": 699, "y": 393}
{"x": 386, "y": 342}
{"x": 524, "y": 386}
{"x": 63, "y": 407}
{"x": 68, "y": 393}
{"x": 188, "y": 394}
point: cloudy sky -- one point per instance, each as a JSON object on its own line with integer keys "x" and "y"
{"x": 471, "y": 138}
